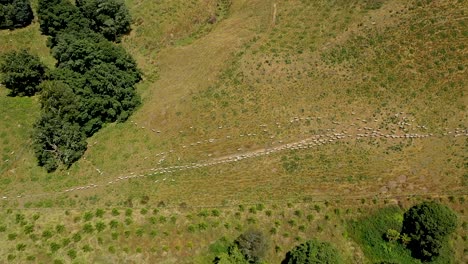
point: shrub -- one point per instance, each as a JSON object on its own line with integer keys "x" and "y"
{"x": 20, "y": 247}
{"x": 252, "y": 244}
{"x": 28, "y": 229}
{"x": 99, "y": 213}
{"x": 47, "y": 234}
{"x": 71, "y": 253}
{"x": 100, "y": 226}
{"x": 427, "y": 225}
{"x": 139, "y": 232}
{"x": 54, "y": 247}
{"x": 15, "y": 13}
{"x": 215, "y": 212}
{"x": 76, "y": 237}
{"x": 313, "y": 251}
{"x": 59, "y": 228}
{"x": 88, "y": 216}
{"x": 65, "y": 242}
{"x": 113, "y": 224}
{"x": 392, "y": 235}
{"x": 23, "y": 72}
{"x": 128, "y": 212}
{"x": 87, "y": 248}
{"x": 88, "y": 228}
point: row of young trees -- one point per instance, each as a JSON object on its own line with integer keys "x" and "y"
{"x": 93, "y": 81}
{"x": 15, "y": 13}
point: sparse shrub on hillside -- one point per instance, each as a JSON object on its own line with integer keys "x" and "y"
{"x": 15, "y": 13}
{"x": 428, "y": 225}
{"x": 100, "y": 226}
{"x": 23, "y": 72}
{"x": 110, "y": 18}
{"x": 72, "y": 253}
{"x": 313, "y": 251}
{"x": 99, "y": 213}
{"x": 54, "y": 247}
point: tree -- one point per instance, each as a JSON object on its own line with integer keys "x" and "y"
{"x": 428, "y": 225}
{"x": 57, "y": 139}
{"x": 313, "y": 251}
{"x": 253, "y": 245}
{"x": 110, "y": 18}
{"x": 23, "y": 72}
{"x": 59, "y": 15}
{"x": 233, "y": 256}
{"x": 15, "y": 13}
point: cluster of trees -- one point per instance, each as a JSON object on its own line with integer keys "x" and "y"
{"x": 15, "y": 13}
{"x": 96, "y": 77}
{"x": 93, "y": 82}
{"x": 252, "y": 246}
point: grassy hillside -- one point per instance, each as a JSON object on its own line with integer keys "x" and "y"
{"x": 287, "y": 104}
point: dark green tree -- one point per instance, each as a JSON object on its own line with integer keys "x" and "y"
{"x": 23, "y": 72}
{"x": 110, "y": 18}
{"x": 81, "y": 50}
{"x": 428, "y": 225}
{"x": 59, "y": 15}
{"x": 15, "y": 13}
{"x": 57, "y": 139}
{"x": 313, "y": 251}
{"x": 253, "y": 245}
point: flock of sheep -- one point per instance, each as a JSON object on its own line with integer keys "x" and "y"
{"x": 310, "y": 142}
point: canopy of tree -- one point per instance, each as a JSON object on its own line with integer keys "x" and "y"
{"x": 428, "y": 225}
{"x": 23, "y": 72}
{"x": 313, "y": 251}
{"x": 111, "y": 18}
{"x": 57, "y": 138}
{"x": 58, "y": 15}
{"x": 15, "y": 13}
{"x": 233, "y": 256}
{"x": 253, "y": 245}
{"x": 101, "y": 74}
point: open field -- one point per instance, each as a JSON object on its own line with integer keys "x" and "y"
{"x": 286, "y": 104}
